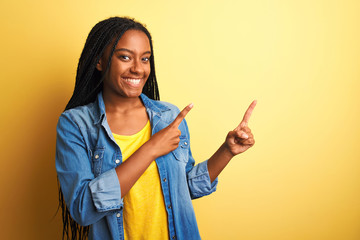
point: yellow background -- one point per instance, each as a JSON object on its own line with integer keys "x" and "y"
{"x": 299, "y": 59}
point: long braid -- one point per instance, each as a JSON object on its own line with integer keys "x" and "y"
{"x": 89, "y": 83}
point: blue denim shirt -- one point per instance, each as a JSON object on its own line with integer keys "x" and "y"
{"x": 86, "y": 158}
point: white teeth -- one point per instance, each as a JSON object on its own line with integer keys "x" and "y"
{"x": 134, "y": 81}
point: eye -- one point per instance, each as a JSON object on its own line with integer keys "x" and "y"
{"x": 145, "y": 59}
{"x": 124, "y": 57}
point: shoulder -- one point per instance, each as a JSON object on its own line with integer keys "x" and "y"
{"x": 167, "y": 112}
{"x": 159, "y": 106}
{"x": 82, "y": 116}
{"x": 169, "y": 106}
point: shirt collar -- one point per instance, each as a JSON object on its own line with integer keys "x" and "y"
{"x": 151, "y": 105}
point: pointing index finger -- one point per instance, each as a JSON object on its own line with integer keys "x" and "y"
{"x": 182, "y": 115}
{"x": 247, "y": 114}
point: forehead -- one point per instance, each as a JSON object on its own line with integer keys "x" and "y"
{"x": 134, "y": 40}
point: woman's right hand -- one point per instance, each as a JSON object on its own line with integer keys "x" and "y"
{"x": 167, "y": 139}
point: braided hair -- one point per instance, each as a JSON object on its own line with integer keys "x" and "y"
{"x": 89, "y": 82}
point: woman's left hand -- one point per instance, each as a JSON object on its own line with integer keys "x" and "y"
{"x": 241, "y": 139}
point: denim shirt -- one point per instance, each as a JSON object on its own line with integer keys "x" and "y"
{"x": 86, "y": 158}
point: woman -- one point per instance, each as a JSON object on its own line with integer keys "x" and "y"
{"x": 123, "y": 157}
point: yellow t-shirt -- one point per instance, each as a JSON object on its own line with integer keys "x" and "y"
{"x": 144, "y": 211}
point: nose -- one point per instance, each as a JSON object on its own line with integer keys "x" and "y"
{"x": 136, "y": 67}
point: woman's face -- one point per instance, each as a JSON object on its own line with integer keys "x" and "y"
{"x": 130, "y": 65}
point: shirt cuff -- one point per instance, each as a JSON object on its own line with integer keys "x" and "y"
{"x": 199, "y": 181}
{"x": 105, "y": 191}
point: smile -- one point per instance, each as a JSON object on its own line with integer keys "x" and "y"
{"x": 133, "y": 81}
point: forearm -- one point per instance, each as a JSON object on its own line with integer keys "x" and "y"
{"x": 218, "y": 161}
{"x": 131, "y": 170}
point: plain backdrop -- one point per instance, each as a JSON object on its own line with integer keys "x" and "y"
{"x": 299, "y": 59}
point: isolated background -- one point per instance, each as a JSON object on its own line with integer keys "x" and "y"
{"x": 300, "y": 59}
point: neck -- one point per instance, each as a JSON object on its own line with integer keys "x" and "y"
{"x": 119, "y": 104}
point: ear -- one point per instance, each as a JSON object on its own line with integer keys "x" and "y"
{"x": 99, "y": 65}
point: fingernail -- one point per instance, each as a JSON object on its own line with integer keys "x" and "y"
{"x": 244, "y": 135}
{"x": 191, "y": 105}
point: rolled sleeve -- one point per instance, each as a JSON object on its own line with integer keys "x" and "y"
{"x": 105, "y": 191}
{"x": 199, "y": 181}
{"x": 198, "y": 177}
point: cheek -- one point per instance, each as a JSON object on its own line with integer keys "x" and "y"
{"x": 118, "y": 69}
{"x": 147, "y": 70}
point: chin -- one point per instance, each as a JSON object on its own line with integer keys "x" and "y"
{"x": 133, "y": 94}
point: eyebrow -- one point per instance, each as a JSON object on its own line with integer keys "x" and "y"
{"x": 128, "y": 50}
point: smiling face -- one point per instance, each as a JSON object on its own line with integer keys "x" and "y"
{"x": 130, "y": 66}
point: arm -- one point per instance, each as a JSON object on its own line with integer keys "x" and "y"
{"x": 237, "y": 141}
{"x": 87, "y": 201}
{"x": 198, "y": 178}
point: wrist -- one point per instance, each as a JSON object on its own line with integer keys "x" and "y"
{"x": 149, "y": 148}
{"x": 226, "y": 151}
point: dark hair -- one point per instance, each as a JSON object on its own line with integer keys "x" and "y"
{"x": 89, "y": 83}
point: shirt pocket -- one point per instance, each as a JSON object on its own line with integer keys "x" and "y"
{"x": 182, "y": 152}
{"x": 97, "y": 160}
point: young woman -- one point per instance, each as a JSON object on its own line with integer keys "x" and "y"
{"x": 123, "y": 157}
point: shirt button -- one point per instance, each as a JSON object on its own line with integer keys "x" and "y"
{"x": 118, "y": 215}
{"x": 96, "y": 156}
{"x": 185, "y": 143}
{"x": 117, "y": 161}
{"x": 169, "y": 206}
{"x": 164, "y": 179}
{"x": 173, "y": 237}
